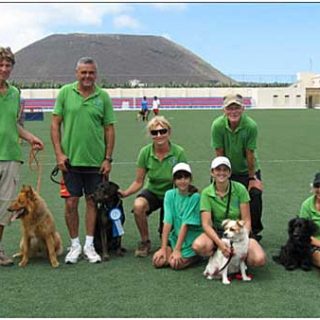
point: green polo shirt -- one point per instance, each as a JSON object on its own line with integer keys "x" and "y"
{"x": 235, "y": 143}
{"x": 84, "y": 121}
{"x": 217, "y": 206}
{"x": 309, "y": 211}
{"x": 159, "y": 173}
{"x": 9, "y": 137}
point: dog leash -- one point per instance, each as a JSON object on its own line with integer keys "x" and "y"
{"x": 38, "y": 166}
{"x": 229, "y": 259}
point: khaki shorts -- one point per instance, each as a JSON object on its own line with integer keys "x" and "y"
{"x": 9, "y": 179}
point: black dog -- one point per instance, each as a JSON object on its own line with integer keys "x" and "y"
{"x": 106, "y": 198}
{"x": 297, "y": 252}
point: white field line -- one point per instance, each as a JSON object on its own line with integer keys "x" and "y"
{"x": 208, "y": 161}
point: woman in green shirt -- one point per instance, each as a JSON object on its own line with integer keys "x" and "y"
{"x": 225, "y": 199}
{"x": 310, "y": 209}
{"x": 182, "y": 223}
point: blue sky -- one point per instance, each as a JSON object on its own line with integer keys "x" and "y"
{"x": 236, "y": 38}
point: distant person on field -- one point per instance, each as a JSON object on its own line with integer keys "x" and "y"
{"x": 144, "y": 112}
{"x": 234, "y": 135}
{"x": 83, "y": 150}
{"x": 182, "y": 223}
{"x": 155, "y": 161}
{"x": 155, "y": 105}
{"x": 10, "y": 150}
{"x": 310, "y": 209}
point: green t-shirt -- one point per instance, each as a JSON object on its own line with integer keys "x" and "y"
{"x": 9, "y": 137}
{"x": 84, "y": 121}
{"x": 309, "y": 211}
{"x": 180, "y": 210}
{"x": 235, "y": 143}
{"x": 159, "y": 173}
{"x": 217, "y": 206}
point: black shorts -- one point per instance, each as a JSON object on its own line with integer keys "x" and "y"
{"x": 154, "y": 201}
{"x": 79, "y": 180}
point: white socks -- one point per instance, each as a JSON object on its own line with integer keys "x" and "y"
{"x": 88, "y": 243}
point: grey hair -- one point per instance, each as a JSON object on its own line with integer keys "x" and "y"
{"x": 86, "y": 60}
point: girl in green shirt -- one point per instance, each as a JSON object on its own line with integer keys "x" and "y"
{"x": 214, "y": 209}
{"x": 182, "y": 223}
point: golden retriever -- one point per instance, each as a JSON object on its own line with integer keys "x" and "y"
{"x": 39, "y": 233}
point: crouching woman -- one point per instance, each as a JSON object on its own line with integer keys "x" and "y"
{"x": 182, "y": 224}
{"x": 225, "y": 199}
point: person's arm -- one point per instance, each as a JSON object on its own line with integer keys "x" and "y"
{"x": 176, "y": 253}
{"x": 315, "y": 241}
{"x": 253, "y": 180}
{"x": 109, "y": 133}
{"x": 61, "y": 158}
{"x": 245, "y": 215}
{"x": 161, "y": 254}
{"x": 219, "y": 152}
{"x": 34, "y": 141}
{"x": 136, "y": 185}
{"x": 211, "y": 233}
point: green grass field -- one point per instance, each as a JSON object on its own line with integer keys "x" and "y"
{"x": 131, "y": 287}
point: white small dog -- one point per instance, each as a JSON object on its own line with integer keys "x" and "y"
{"x": 236, "y": 236}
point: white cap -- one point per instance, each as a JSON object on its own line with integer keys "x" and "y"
{"x": 218, "y": 161}
{"x": 182, "y": 166}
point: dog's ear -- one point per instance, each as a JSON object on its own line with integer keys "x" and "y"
{"x": 29, "y": 192}
{"x": 291, "y": 224}
{"x": 240, "y": 223}
{"x": 225, "y": 222}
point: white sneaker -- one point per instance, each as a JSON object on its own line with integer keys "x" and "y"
{"x": 90, "y": 254}
{"x": 73, "y": 254}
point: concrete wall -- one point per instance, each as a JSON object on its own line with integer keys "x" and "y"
{"x": 287, "y": 97}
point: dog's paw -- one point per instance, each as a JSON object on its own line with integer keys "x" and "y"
{"x": 105, "y": 257}
{"x": 246, "y": 278}
{"x": 55, "y": 264}
{"x": 23, "y": 263}
{"x": 17, "y": 255}
{"x": 209, "y": 277}
{"x": 226, "y": 281}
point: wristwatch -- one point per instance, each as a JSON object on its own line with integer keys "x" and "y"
{"x": 109, "y": 158}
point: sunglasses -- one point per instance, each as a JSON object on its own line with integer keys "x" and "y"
{"x": 316, "y": 185}
{"x": 156, "y": 132}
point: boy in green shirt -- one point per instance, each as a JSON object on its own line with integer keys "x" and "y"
{"x": 10, "y": 151}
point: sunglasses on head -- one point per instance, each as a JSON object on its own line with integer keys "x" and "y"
{"x": 161, "y": 131}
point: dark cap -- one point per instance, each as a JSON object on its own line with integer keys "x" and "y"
{"x": 316, "y": 180}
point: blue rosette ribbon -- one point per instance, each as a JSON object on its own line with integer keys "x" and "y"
{"x": 115, "y": 216}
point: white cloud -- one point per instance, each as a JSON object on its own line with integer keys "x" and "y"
{"x": 22, "y": 24}
{"x": 125, "y": 21}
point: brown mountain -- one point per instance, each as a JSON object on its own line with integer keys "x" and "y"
{"x": 121, "y": 58}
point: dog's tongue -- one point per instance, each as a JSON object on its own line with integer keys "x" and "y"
{"x": 16, "y": 215}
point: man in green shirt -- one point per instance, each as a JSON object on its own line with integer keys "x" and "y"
{"x": 10, "y": 151}
{"x": 84, "y": 149}
{"x": 234, "y": 135}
